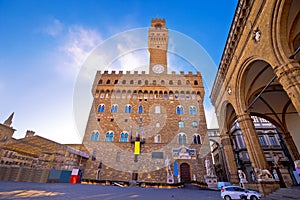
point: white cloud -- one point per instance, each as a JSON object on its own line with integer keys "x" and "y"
{"x": 54, "y": 28}
{"x": 211, "y": 118}
{"x": 78, "y": 44}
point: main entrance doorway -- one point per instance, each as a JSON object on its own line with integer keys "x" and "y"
{"x": 185, "y": 173}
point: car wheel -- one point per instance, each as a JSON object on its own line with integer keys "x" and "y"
{"x": 253, "y": 198}
{"x": 227, "y": 197}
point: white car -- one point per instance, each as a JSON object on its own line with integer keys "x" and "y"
{"x": 236, "y": 192}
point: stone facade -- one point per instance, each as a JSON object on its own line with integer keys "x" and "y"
{"x": 163, "y": 111}
{"x": 33, "y": 153}
{"x": 259, "y": 75}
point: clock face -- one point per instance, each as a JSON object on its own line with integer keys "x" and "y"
{"x": 158, "y": 69}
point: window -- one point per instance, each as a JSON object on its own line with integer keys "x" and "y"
{"x": 273, "y": 140}
{"x": 146, "y": 82}
{"x": 114, "y": 108}
{"x": 181, "y": 124}
{"x": 262, "y": 140}
{"x": 131, "y": 82}
{"x": 154, "y": 82}
{"x": 116, "y": 81}
{"x": 97, "y": 136}
{"x": 139, "y": 82}
{"x": 93, "y": 136}
{"x": 196, "y": 139}
{"x": 181, "y": 138}
{"x": 94, "y": 155}
{"x": 193, "y": 110}
{"x": 157, "y": 139}
{"x": 124, "y": 82}
{"x": 124, "y": 137}
{"x": 179, "y": 82}
{"x": 101, "y": 108}
{"x": 179, "y": 110}
{"x": 128, "y": 108}
{"x": 140, "y": 110}
{"x": 100, "y": 82}
{"x": 109, "y": 137}
{"x": 170, "y": 82}
{"x": 141, "y": 120}
{"x": 157, "y": 109}
{"x": 195, "y": 82}
{"x": 162, "y": 82}
{"x": 108, "y": 81}
{"x": 195, "y": 124}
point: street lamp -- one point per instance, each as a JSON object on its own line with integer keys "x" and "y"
{"x": 99, "y": 169}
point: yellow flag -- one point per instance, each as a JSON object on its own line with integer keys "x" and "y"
{"x": 137, "y": 147}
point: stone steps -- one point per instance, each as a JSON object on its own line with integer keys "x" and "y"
{"x": 284, "y": 194}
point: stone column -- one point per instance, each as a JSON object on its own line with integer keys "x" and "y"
{"x": 291, "y": 146}
{"x": 229, "y": 158}
{"x": 288, "y": 76}
{"x": 253, "y": 146}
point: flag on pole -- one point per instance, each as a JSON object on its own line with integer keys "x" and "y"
{"x": 136, "y": 147}
{"x": 137, "y": 132}
{"x": 130, "y": 134}
{"x": 143, "y": 133}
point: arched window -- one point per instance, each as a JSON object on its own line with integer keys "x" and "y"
{"x": 128, "y": 108}
{"x": 108, "y": 81}
{"x": 140, "y": 110}
{"x": 179, "y": 110}
{"x": 124, "y": 137}
{"x": 157, "y": 139}
{"x": 195, "y": 82}
{"x": 154, "y": 82}
{"x": 131, "y": 82}
{"x": 139, "y": 82}
{"x": 100, "y": 81}
{"x": 114, "y": 108}
{"x": 170, "y": 82}
{"x": 123, "y": 82}
{"x": 101, "y": 108}
{"x": 193, "y": 110}
{"x": 109, "y": 137}
{"x": 116, "y": 81}
{"x": 146, "y": 82}
{"x": 181, "y": 124}
{"x": 179, "y": 82}
{"x": 95, "y": 136}
{"x": 162, "y": 82}
{"x": 181, "y": 138}
{"x": 157, "y": 109}
{"x": 195, "y": 124}
{"x": 196, "y": 139}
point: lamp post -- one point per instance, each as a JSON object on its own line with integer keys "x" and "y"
{"x": 99, "y": 169}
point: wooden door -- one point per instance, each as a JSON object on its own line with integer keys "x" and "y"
{"x": 185, "y": 173}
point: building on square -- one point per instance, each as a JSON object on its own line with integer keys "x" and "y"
{"x": 145, "y": 126}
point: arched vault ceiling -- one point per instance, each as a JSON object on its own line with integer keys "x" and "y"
{"x": 273, "y": 104}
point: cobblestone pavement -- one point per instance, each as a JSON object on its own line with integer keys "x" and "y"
{"x": 43, "y": 191}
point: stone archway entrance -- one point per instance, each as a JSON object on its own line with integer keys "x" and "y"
{"x": 185, "y": 173}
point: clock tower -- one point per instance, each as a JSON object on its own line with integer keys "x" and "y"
{"x": 158, "y": 46}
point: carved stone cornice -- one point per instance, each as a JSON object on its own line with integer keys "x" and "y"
{"x": 237, "y": 26}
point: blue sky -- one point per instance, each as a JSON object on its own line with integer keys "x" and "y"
{"x": 44, "y": 43}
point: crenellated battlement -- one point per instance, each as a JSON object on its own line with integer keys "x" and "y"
{"x": 121, "y": 72}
